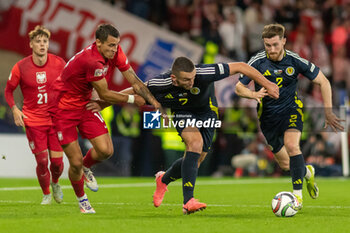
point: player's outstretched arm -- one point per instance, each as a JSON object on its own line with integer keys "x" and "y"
{"x": 129, "y": 91}
{"x": 140, "y": 88}
{"x": 96, "y": 105}
{"x": 114, "y": 97}
{"x": 331, "y": 119}
{"x": 251, "y": 72}
{"x": 245, "y": 92}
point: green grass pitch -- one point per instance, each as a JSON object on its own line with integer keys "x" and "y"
{"x": 125, "y": 205}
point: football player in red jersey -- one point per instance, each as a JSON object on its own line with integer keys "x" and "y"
{"x": 35, "y": 74}
{"x": 90, "y": 69}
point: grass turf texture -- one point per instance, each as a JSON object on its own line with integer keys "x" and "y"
{"x": 125, "y": 205}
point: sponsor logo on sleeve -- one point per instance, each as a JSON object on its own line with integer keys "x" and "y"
{"x": 98, "y": 73}
{"x": 221, "y": 68}
{"x": 312, "y": 67}
{"x": 105, "y": 70}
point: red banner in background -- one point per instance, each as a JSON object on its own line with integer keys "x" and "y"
{"x": 73, "y": 24}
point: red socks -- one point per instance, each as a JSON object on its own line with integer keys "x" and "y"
{"x": 88, "y": 161}
{"x": 56, "y": 168}
{"x": 42, "y": 172}
{"x": 78, "y": 186}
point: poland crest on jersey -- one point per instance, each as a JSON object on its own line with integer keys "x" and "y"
{"x": 41, "y": 77}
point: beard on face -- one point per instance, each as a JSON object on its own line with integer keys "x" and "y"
{"x": 275, "y": 56}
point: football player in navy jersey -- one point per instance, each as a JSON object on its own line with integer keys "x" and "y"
{"x": 189, "y": 91}
{"x": 281, "y": 120}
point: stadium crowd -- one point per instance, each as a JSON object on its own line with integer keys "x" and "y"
{"x": 318, "y": 31}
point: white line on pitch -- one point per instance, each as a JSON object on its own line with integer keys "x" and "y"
{"x": 177, "y": 183}
{"x": 152, "y": 184}
{"x": 169, "y": 204}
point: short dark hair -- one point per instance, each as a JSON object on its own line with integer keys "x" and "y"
{"x": 182, "y": 64}
{"x": 272, "y": 30}
{"x": 39, "y": 30}
{"x": 104, "y": 30}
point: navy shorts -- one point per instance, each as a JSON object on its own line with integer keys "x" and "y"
{"x": 206, "y": 132}
{"x": 274, "y": 130}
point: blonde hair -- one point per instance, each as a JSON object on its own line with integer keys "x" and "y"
{"x": 39, "y": 30}
{"x": 272, "y": 30}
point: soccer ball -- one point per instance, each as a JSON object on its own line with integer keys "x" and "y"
{"x": 283, "y": 203}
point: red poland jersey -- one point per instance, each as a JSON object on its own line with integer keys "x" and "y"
{"x": 87, "y": 66}
{"x": 35, "y": 83}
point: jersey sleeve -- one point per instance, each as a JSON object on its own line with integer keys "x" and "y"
{"x": 156, "y": 83}
{"x": 245, "y": 80}
{"x": 307, "y": 68}
{"x": 11, "y": 85}
{"x": 62, "y": 62}
{"x": 213, "y": 72}
{"x": 152, "y": 86}
{"x": 95, "y": 71}
{"x": 151, "y": 89}
{"x": 122, "y": 62}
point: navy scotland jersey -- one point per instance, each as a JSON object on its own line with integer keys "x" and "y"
{"x": 199, "y": 99}
{"x": 284, "y": 73}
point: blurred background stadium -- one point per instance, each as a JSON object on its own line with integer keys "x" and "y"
{"x": 154, "y": 32}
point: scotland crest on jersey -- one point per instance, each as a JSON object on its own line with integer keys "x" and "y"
{"x": 290, "y": 71}
{"x": 41, "y": 77}
{"x": 195, "y": 90}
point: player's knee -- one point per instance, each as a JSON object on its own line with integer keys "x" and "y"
{"x": 42, "y": 159}
{"x": 105, "y": 153}
{"x": 76, "y": 169}
{"x": 42, "y": 163}
{"x": 58, "y": 161}
{"x": 195, "y": 145}
{"x": 292, "y": 148}
{"x": 284, "y": 165}
{"x": 76, "y": 165}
